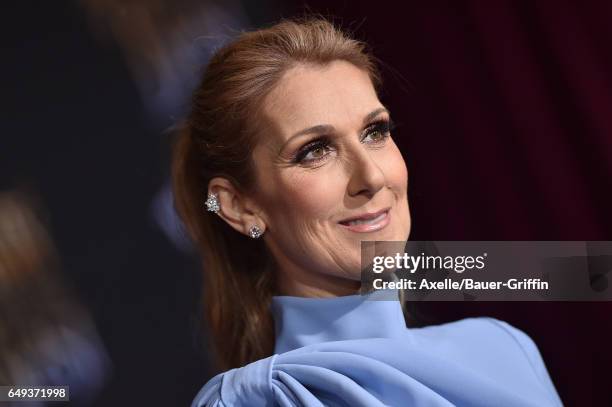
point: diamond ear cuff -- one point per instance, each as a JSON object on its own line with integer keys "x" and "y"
{"x": 212, "y": 203}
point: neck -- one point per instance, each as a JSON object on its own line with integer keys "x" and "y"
{"x": 299, "y": 279}
{"x": 305, "y": 321}
{"x": 315, "y": 285}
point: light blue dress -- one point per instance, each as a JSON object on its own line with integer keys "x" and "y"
{"x": 357, "y": 351}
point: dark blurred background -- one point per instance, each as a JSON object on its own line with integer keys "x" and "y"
{"x": 505, "y": 120}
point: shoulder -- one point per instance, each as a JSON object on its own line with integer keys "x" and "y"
{"x": 503, "y": 336}
{"x": 480, "y": 336}
{"x": 481, "y": 329}
{"x": 428, "y": 364}
{"x": 329, "y": 373}
{"x": 493, "y": 345}
{"x": 244, "y": 386}
{"x": 530, "y": 351}
{"x": 522, "y": 340}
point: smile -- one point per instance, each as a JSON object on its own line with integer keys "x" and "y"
{"x": 367, "y": 222}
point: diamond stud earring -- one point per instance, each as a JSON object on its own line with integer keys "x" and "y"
{"x": 212, "y": 203}
{"x": 255, "y": 232}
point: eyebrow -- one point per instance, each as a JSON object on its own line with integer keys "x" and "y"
{"x": 328, "y": 128}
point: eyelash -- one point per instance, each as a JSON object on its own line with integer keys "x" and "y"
{"x": 382, "y": 127}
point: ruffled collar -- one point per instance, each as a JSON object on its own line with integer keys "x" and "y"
{"x": 301, "y": 321}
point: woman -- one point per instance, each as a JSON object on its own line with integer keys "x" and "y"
{"x": 290, "y": 147}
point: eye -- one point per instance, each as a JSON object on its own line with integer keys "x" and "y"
{"x": 377, "y": 132}
{"x": 313, "y": 151}
{"x": 375, "y": 136}
{"x": 317, "y": 152}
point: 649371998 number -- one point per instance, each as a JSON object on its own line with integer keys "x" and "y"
{"x": 34, "y": 393}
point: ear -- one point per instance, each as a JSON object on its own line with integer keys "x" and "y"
{"x": 240, "y": 212}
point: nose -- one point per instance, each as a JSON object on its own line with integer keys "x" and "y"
{"x": 366, "y": 176}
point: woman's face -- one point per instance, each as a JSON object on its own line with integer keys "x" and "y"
{"x": 327, "y": 157}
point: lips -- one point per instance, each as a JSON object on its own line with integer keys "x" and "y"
{"x": 365, "y": 216}
{"x": 367, "y": 222}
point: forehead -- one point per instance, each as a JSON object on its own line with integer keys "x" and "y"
{"x": 339, "y": 94}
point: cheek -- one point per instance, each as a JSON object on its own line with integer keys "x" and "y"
{"x": 396, "y": 173}
{"x": 395, "y": 169}
{"x": 312, "y": 194}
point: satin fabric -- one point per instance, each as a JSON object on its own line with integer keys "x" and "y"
{"x": 357, "y": 351}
